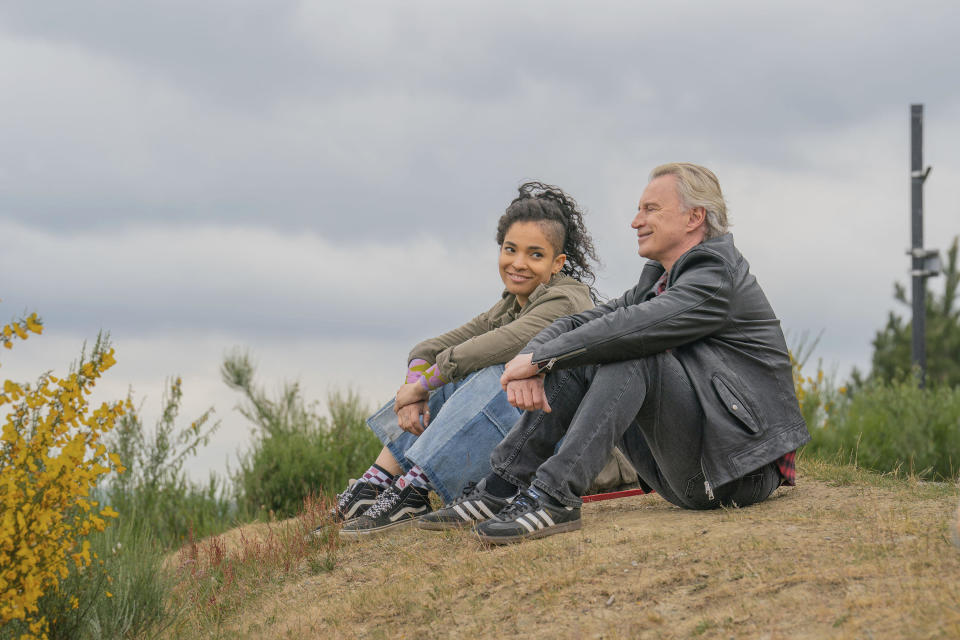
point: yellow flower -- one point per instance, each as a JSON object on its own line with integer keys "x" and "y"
{"x": 33, "y": 324}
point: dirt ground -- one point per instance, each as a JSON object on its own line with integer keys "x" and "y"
{"x": 842, "y": 555}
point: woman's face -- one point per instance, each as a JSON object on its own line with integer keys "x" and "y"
{"x": 527, "y": 259}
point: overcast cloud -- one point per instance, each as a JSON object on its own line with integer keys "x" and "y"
{"x": 283, "y": 175}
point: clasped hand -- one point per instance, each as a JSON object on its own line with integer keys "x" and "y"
{"x": 410, "y": 404}
{"x": 524, "y": 385}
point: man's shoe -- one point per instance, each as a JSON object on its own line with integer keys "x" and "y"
{"x": 531, "y": 515}
{"x": 474, "y": 505}
{"x": 394, "y": 508}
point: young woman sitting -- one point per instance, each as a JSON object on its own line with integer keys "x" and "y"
{"x": 450, "y": 413}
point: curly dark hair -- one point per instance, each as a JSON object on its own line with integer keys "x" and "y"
{"x": 545, "y": 203}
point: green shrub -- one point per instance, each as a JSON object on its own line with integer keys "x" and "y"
{"x": 895, "y": 427}
{"x": 295, "y": 451}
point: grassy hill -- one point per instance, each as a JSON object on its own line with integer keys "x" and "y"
{"x": 845, "y": 554}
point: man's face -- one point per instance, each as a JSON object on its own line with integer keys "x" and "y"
{"x": 662, "y": 223}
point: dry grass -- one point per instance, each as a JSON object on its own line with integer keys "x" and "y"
{"x": 219, "y": 577}
{"x": 844, "y": 555}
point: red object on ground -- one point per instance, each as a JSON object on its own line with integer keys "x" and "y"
{"x": 597, "y": 497}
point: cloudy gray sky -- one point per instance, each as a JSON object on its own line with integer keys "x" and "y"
{"x": 282, "y": 176}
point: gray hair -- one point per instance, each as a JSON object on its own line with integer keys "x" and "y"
{"x": 698, "y": 187}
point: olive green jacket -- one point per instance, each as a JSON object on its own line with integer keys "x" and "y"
{"x": 497, "y": 335}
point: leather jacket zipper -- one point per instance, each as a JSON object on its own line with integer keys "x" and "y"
{"x": 707, "y": 487}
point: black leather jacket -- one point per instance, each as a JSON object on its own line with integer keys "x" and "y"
{"x": 718, "y": 323}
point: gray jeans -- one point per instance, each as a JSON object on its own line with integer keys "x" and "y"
{"x": 648, "y": 408}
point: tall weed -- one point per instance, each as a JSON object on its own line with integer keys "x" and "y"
{"x": 296, "y": 452}
{"x": 155, "y": 491}
{"x": 122, "y": 594}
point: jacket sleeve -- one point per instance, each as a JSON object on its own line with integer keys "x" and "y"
{"x": 500, "y": 344}
{"x": 431, "y": 348}
{"x": 696, "y": 305}
{"x": 564, "y": 324}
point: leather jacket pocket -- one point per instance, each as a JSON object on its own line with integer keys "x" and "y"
{"x": 733, "y": 401}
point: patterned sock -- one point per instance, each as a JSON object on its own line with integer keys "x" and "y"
{"x": 497, "y": 486}
{"x": 377, "y": 475}
{"x": 416, "y": 477}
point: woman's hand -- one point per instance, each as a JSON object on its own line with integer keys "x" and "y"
{"x": 410, "y": 393}
{"x": 520, "y": 368}
{"x": 528, "y": 394}
{"x": 408, "y": 417}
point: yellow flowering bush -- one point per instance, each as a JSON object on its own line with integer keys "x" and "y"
{"x": 817, "y": 394}
{"x": 51, "y": 456}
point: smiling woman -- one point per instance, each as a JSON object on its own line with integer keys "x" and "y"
{"x": 452, "y": 411}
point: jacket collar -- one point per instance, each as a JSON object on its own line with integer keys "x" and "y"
{"x": 723, "y": 245}
{"x": 555, "y": 279}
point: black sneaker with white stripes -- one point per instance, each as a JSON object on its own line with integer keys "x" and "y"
{"x": 474, "y": 505}
{"x": 394, "y": 508}
{"x": 531, "y": 515}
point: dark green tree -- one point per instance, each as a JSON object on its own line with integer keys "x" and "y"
{"x": 892, "y": 344}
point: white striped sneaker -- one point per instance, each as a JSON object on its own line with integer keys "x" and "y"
{"x": 474, "y": 505}
{"x": 530, "y": 515}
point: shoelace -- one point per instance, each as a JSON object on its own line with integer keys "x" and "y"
{"x": 523, "y": 503}
{"x": 344, "y": 498}
{"x": 467, "y": 490}
{"x": 385, "y": 502}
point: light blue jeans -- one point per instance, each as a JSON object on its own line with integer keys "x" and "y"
{"x": 468, "y": 419}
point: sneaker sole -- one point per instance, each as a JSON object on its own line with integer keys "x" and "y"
{"x": 574, "y": 525}
{"x": 359, "y": 534}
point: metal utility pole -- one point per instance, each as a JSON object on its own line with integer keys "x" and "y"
{"x": 925, "y": 262}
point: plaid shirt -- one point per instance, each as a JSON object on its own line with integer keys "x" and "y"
{"x": 787, "y": 463}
